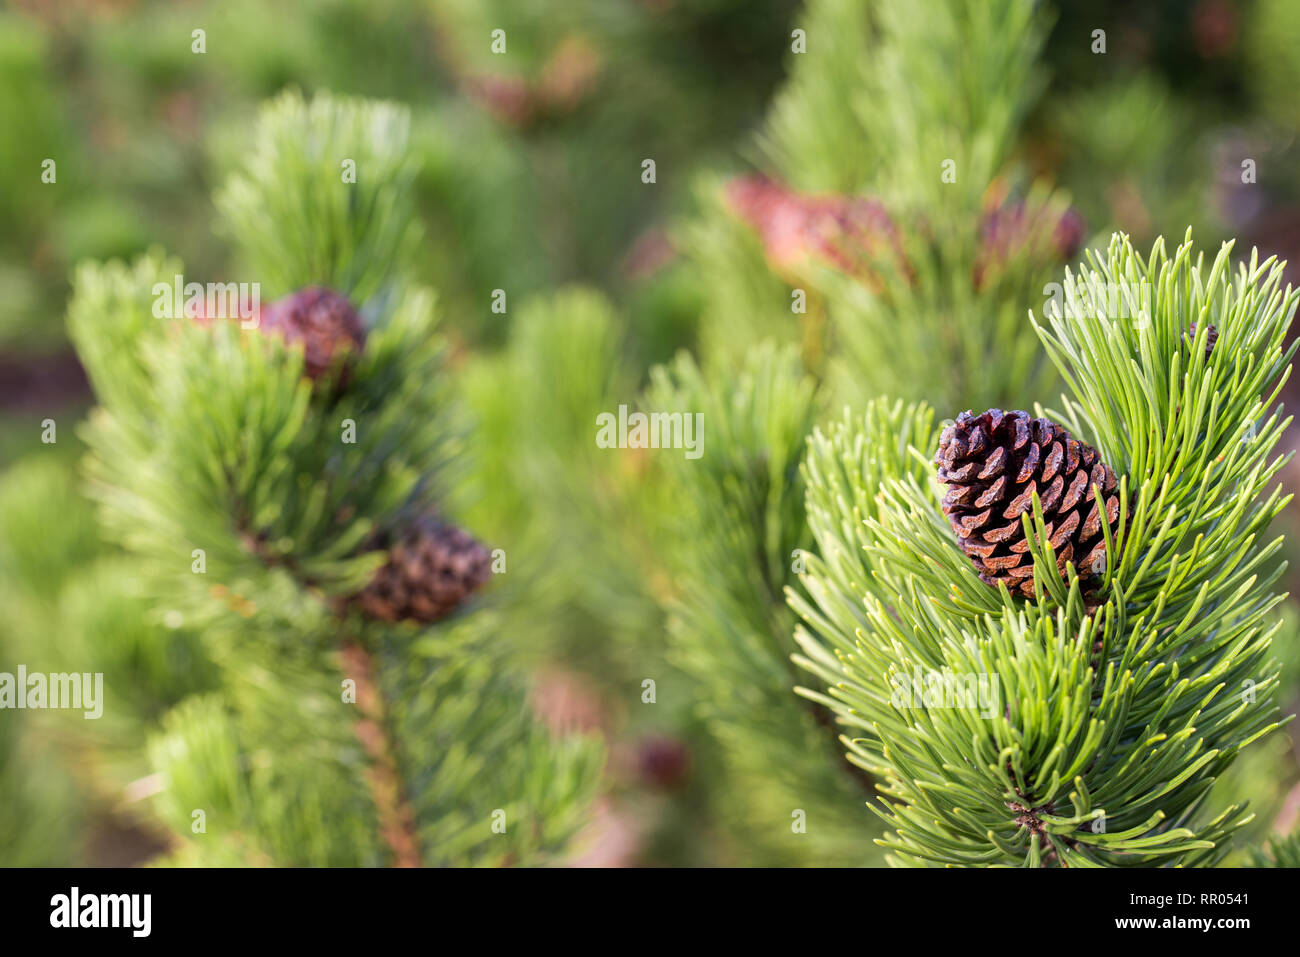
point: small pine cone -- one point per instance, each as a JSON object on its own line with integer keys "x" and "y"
{"x": 1069, "y": 234}
{"x": 663, "y": 762}
{"x": 1211, "y": 337}
{"x": 853, "y": 234}
{"x": 323, "y": 321}
{"x": 993, "y": 464}
{"x": 509, "y": 99}
{"x": 857, "y": 236}
{"x": 776, "y": 214}
{"x": 430, "y": 572}
{"x": 1015, "y": 230}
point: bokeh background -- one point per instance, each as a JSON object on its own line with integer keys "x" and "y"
{"x": 530, "y": 181}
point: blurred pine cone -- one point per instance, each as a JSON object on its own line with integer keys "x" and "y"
{"x": 431, "y": 571}
{"x": 323, "y": 321}
{"x": 663, "y": 762}
{"x": 854, "y": 234}
{"x": 1011, "y": 231}
{"x": 993, "y": 464}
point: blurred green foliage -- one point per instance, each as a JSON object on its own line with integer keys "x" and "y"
{"x": 529, "y": 181}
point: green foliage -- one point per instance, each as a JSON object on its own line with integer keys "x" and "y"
{"x": 933, "y": 335}
{"x": 1262, "y": 774}
{"x": 745, "y": 301}
{"x": 940, "y": 81}
{"x": 66, "y": 611}
{"x": 587, "y": 91}
{"x": 349, "y": 234}
{"x": 1120, "y": 168}
{"x": 869, "y": 110}
{"x": 148, "y": 665}
{"x": 1281, "y": 851}
{"x": 1122, "y": 711}
{"x": 568, "y": 509}
{"x": 34, "y": 126}
{"x": 73, "y": 607}
{"x": 940, "y": 102}
{"x": 522, "y": 169}
{"x": 248, "y": 497}
{"x": 46, "y": 531}
{"x": 118, "y": 297}
{"x": 467, "y": 168}
{"x": 39, "y": 547}
{"x": 281, "y": 778}
{"x": 1272, "y": 35}
{"x": 814, "y": 133}
{"x": 266, "y": 487}
{"x": 918, "y": 107}
{"x": 738, "y": 522}
{"x": 40, "y": 823}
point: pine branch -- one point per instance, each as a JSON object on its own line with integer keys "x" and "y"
{"x": 334, "y": 176}
{"x": 905, "y": 270}
{"x": 741, "y": 519}
{"x": 814, "y": 134}
{"x": 883, "y": 97}
{"x": 1114, "y": 716}
{"x": 277, "y": 487}
{"x": 567, "y": 508}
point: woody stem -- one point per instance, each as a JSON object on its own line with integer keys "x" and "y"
{"x": 396, "y": 817}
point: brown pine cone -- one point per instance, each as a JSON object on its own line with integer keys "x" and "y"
{"x": 323, "y": 321}
{"x": 430, "y": 572}
{"x": 993, "y": 464}
{"x": 1211, "y": 338}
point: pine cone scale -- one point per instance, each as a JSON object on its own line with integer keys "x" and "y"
{"x": 1002, "y": 533}
{"x": 1022, "y": 502}
{"x": 1027, "y": 465}
{"x": 1051, "y": 498}
{"x": 995, "y": 464}
{"x": 1053, "y": 461}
